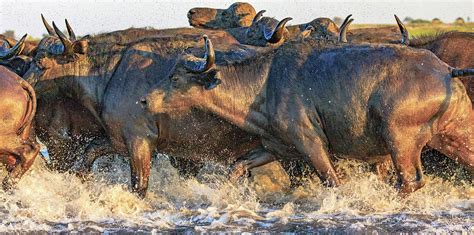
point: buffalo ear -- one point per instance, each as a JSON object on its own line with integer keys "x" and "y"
{"x": 81, "y": 46}
{"x": 210, "y": 79}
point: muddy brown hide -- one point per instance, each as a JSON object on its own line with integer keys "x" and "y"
{"x": 238, "y": 14}
{"x": 227, "y": 36}
{"x": 454, "y": 48}
{"x": 18, "y": 147}
{"x": 387, "y": 34}
{"x": 135, "y": 34}
{"x": 388, "y": 108}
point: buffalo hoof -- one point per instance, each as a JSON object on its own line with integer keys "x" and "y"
{"x": 141, "y": 193}
{"x": 409, "y": 187}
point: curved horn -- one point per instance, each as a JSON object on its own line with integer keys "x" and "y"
{"x": 345, "y": 20}
{"x": 68, "y": 50}
{"x": 72, "y": 35}
{"x": 343, "y": 31}
{"x": 404, "y": 31}
{"x": 258, "y": 16}
{"x": 15, "y": 50}
{"x": 209, "y": 56}
{"x": 47, "y": 26}
{"x": 277, "y": 34}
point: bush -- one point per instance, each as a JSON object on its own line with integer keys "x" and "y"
{"x": 436, "y": 21}
{"x": 419, "y": 21}
{"x": 459, "y": 21}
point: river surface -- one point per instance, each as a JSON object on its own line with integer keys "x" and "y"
{"x": 47, "y": 201}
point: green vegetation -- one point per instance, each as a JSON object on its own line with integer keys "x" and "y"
{"x": 425, "y": 28}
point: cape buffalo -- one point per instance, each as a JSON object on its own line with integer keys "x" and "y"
{"x": 61, "y": 118}
{"x": 107, "y": 79}
{"x": 18, "y": 104}
{"x": 305, "y": 100}
{"x": 239, "y": 14}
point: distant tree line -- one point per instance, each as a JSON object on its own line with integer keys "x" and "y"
{"x": 409, "y": 20}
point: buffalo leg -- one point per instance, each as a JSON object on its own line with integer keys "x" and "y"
{"x": 309, "y": 142}
{"x": 140, "y": 151}
{"x": 97, "y": 148}
{"x": 320, "y": 160}
{"x": 406, "y": 157}
{"x": 254, "y": 158}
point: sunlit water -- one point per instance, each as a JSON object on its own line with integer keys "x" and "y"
{"x": 57, "y": 202}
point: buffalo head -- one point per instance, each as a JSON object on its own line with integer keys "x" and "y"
{"x": 190, "y": 77}
{"x": 266, "y": 30}
{"x": 12, "y": 57}
{"x": 58, "y": 55}
{"x": 7, "y": 52}
{"x": 239, "y": 14}
{"x": 323, "y": 27}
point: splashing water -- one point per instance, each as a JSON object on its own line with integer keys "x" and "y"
{"x": 59, "y": 202}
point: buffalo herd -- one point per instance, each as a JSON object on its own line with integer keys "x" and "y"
{"x": 242, "y": 89}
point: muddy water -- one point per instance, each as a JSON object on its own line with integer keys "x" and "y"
{"x": 55, "y": 202}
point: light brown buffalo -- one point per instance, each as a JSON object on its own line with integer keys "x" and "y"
{"x": 239, "y": 14}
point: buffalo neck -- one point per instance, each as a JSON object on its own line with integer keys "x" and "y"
{"x": 86, "y": 79}
{"x": 241, "y": 97}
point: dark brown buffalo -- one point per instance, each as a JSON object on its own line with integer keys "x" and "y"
{"x": 309, "y": 100}
{"x": 107, "y": 79}
{"x": 18, "y": 104}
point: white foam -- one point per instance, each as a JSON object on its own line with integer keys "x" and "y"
{"x": 50, "y": 201}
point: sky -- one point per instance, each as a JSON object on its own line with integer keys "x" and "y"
{"x": 96, "y": 16}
